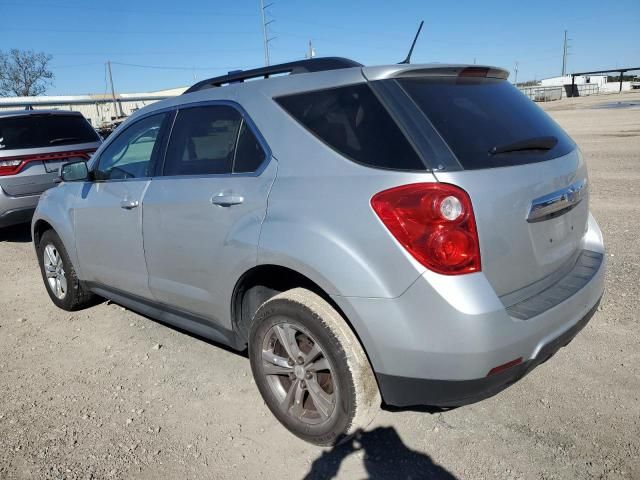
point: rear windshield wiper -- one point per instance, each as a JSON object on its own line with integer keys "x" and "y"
{"x": 63, "y": 139}
{"x": 535, "y": 143}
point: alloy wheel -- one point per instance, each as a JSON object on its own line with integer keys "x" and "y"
{"x": 54, "y": 271}
{"x": 298, "y": 373}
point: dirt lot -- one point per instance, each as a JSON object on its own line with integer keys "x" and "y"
{"x": 108, "y": 393}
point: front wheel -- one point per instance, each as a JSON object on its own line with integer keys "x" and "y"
{"x": 311, "y": 369}
{"x": 60, "y": 279}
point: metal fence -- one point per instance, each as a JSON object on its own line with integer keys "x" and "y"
{"x": 547, "y": 94}
{"x": 542, "y": 94}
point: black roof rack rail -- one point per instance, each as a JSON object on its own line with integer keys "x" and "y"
{"x": 300, "y": 66}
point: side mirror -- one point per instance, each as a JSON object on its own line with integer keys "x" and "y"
{"x": 74, "y": 171}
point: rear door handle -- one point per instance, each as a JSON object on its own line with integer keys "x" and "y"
{"x": 129, "y": 204}
{"x": 227, "y": 200}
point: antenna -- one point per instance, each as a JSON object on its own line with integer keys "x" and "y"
{"x": 408, "y": 59}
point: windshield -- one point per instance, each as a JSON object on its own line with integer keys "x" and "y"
{"x": 487, "y": 122}
{"x": 38, "y": 131}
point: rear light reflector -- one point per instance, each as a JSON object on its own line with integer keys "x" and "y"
{"x": 505, "y": 366}
{"x": 13, "y": 165}
{"x": 434, "y": 222}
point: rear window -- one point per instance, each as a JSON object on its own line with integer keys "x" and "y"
{"x": 352, "y": 121}
{"x": 37, "y": 131}
{"x": 488, "y": 122}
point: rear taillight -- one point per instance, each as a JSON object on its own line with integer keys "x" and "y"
{"x": 7, "y": 167}
{"x": 435, "y": 223}
{"x": 13, "y": 165}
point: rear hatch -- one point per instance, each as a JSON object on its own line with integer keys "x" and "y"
{"x": 33, "y": 146}
{"x": 526, "y": 179}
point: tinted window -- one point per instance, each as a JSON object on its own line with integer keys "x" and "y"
{"x": 130, "y": 154}
{"x": 249, "y": 153}
{"x": 203, "y": 141}
{"x": 46, "y": 130}
{"x": 476, "y": 115}
{"x": 352, "y": 121}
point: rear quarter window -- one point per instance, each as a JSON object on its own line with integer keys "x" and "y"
{"x": 352, "y": 121}
{"x": 47, "y": 130}
{"x": 476, "y": 115}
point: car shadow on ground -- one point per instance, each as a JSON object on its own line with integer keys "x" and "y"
{"x": 16, "y": 233}
{"x": 385, "y": 456}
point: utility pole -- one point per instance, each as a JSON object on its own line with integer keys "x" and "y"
{"x": 312, "y": 52}
{"x": 113, "y": 92}
{"x": 515, "y": 80}
{"x": 564, "y": 55}
{"x": 266, "y": 39}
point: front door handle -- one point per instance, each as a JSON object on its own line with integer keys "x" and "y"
{"x": 129, "y": 204}
{"x": 227, "y": 200}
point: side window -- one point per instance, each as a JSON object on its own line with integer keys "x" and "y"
{"x": 130, "y": 154}
{"x": 202, "y": 141}
{"x": 352, "y": 121}
{"x": 249, "y": 153}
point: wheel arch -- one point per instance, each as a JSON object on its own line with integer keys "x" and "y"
{"x": 262, "y": 282}
{"x": 39, "y": 227}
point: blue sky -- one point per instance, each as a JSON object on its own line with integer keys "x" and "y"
{"x": 196, "y": 39}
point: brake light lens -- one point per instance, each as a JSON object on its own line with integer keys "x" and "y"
{"x": 474, "y": 72}
{"x": 13, "y": 165}
{"x": 434, "y": 222}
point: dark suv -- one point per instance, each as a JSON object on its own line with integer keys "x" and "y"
{"x": 33, "y": 146}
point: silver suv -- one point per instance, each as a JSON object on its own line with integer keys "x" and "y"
{"x": 33, "y": 146}
{"x": 406, "y": 234}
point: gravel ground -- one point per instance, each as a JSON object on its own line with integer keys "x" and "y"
{"x": 107, "y": 393}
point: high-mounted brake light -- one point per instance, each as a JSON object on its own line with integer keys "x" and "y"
{"x": 435, "y": 223}
{"x": 13, "y": 165}
{"x": 474, "y": 72}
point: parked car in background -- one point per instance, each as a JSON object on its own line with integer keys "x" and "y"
{"x": 411, "y": 234}
{"x": 33, "y": 146}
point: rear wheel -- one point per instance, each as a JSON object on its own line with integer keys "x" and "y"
{"x": 311, "y": 369}
{"x": 60, "y": 279}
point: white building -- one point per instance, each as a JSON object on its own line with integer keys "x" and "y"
{"x": 96, "y": 108}
{"x": 599, "y": 80}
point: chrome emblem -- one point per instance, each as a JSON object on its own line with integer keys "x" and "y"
{"x": 557, "y": 202}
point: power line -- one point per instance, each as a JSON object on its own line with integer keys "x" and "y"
{"x": 119, "y": 11}
{"x": 155, "y": 52}
{"x": 78, "y": 65}
{"x": 170, "y": 67}
{"x": 134, "y": 32}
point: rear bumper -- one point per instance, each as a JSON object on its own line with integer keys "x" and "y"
{"x": 437, "y": 342}
{"x": 16, "y": 210}
{"x": 16, "y": 217}
{"x": 406, "y": 392}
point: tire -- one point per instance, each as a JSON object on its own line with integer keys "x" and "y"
{"x": 324, "y": 397}
{"x": 62, "y": 284}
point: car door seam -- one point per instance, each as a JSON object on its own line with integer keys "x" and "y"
{"x": 144, "y": 251}
{"x": 266, "y": 209}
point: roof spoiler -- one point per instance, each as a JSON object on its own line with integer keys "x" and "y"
{"x": 433, "y": 70}
{"x": 462, "y": 71}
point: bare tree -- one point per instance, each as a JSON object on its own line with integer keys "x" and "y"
{"x": 24, "y": 73}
